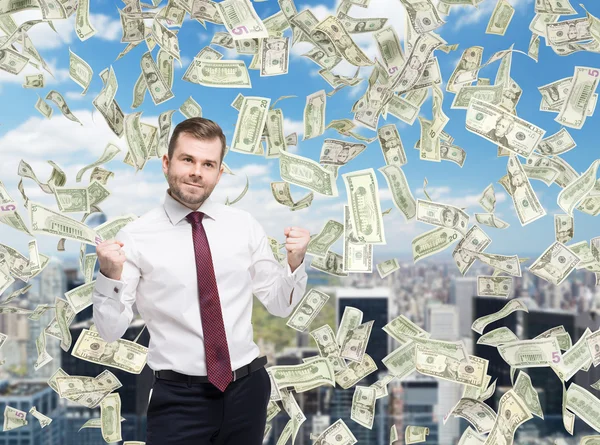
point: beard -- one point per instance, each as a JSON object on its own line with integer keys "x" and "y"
{"x": 177, "y": 189}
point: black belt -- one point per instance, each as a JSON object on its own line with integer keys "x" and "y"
{"x": 167, "y": 374}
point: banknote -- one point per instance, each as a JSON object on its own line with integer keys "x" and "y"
{"x": 357, "y": 256}
{"x": 387, "y": 267}
{"x": 500, "y": 18}
{"x": 391, "y": 145}
{"x": 584, "y": 405}
{"x": 469, "y": 61}
{"x": 355, "y": 372}
{"x": 568, "y": 31}
{"x": 498, "y": 336}
{"x": 531, "y": 353}
{"x": 415, "y": 434}
{"x": 355, "y": 343}
{"x": 555, "y": 264}
{"x": 583, "y": 86}
{"x": 576, "y": 358}
{"x": 569, "y": 197}
{"x": 477, "y": 413}
{"x": 363, "y": 406}
{"x": 423, "y": 15}
{"x": 475, "y": 240}
{"x": 513, "y": 305}
{"x": 502, "y": 128}
{"x": 314, "y": 115}
{"x": 524, "y": 389}
{"x": 488, "y": 286}
{"x": 241, "y": 19}
{"x": 442, "y": 215}
{"x": 512, "y": 413}
{"x": 526, "y": 202}
{"x": 491, "y": 220}
{"x": 365, "y": 208}
{"x": 561, "y": 7}
{"x": 471, "y": 372}
{"x": 307, "y": 309}
{"x": 491, "y": 94}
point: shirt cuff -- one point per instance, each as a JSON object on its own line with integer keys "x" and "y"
{"x": 298, "y": 272}
{"x": 109, "y": 287}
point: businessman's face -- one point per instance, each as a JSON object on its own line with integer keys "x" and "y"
{"x": 194, "y": 170}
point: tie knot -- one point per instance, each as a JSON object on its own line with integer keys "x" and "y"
{"x": 195, "y": 217}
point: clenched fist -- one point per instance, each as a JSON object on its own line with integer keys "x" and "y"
{"x": 111, "y": 258}
{"x": 296, "y": 242}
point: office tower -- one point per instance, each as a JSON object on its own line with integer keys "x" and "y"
{"x": 462, "y": 291}
{"x": 497, "y": 368}
{"x": 419, "y": 400}
{"x": 134, "y": 393}
{"x": 442, "y": 324}
{"x": 375, "y": 305}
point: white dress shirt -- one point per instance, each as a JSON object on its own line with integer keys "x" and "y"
{"x": 159, "y": 275}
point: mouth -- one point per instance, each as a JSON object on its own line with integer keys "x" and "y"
{"x": 193, "y": 185}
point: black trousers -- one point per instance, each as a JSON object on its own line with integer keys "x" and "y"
{"x": 200, "y": 414}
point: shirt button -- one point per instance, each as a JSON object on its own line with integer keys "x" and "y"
{"x": 116, "y": 289}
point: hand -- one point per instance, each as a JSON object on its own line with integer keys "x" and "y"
{"x": 111, "y": 258}
{"x": 296, "y": 241}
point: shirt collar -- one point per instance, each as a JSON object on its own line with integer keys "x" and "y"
{"x": 176, "y": 211}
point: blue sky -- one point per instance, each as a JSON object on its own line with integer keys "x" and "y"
{"x": 25, "y": 134}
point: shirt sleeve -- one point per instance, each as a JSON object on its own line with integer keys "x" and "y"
{"x": 272, "y": 282}
{"x": 113, "y": 299}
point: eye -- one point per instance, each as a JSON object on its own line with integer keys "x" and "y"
{"x": 208, "y": 163}
{"x": 187, "y": 159}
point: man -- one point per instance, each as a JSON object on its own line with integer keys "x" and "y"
{"x": 191, "y": 266}
{"x": 504, "y": 125}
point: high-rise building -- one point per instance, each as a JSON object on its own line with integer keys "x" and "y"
{"x": 462, "y": 291}
{"x": 442, "y": 324}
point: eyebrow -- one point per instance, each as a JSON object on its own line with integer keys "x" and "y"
{"x": 184, "y": 155}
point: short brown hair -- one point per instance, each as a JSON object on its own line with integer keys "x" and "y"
{"x": 200, "y": 128}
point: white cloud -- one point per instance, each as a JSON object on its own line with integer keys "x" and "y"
{"x": 76, "y": 95}
{"x": 472, "y": 14}
{"x": 390, "y": 9}
{"x": 60, "y": 74}
{"x": 44, "y": 37}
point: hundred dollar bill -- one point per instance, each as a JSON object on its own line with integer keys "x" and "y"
{"x": 475, "y": 240}
{"x": 471, "y": 372}
{"x": 499, "y": 336}
{"x": 531, "y": 353}
{"x": 500, "y": 18}
{"x": 488, "y": 286}
{"x": 433, "y": 241}
{"x": 576, "y": 358}
{"x": 524, "y": 389}
{"x": 363, "y": 406}
{"x": 415, "y": 434}
{"x": 502, "y": 128}
{"x": 307, "y": 310}
{"x": 555, "y": 264}
{"x": 365, "y": 208}
{"x": 355, "y": 343}
{"x": 387, "y": 267}
{"x": 355, "y": 372}
{"x": 442, "y": 215}
{"x": 332, "y": 264}
{"x": 491, "y": 220}
{"x": 583, "y": 86}
{"x": 122, "y": 354}
{"x": 320, "y": 243}
{"x": 579, "y": 189}
{"x": 584, "y": 405}
{"x": 241, "y": 20}
{"x": 512, "y": 413}
{"x": 314, "y": 115}
{"x": 510, "y": 307}
{"x": 477, "y": 413}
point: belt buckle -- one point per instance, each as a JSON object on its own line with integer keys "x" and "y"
{"x": 234, "y": 376}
